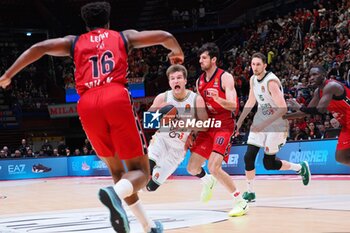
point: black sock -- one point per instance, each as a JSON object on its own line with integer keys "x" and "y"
{"x": 201, "y": 174}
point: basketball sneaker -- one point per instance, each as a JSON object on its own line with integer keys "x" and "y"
{"x": 249, "y": 197}
{"x": 207, "y": 190}
{"x": 39, "y": 168}
{"x": 118, "y": 217}
{"x": 158, "y": 228}
{"x": 305, "y": 172}
{"x": 240, "y": 208}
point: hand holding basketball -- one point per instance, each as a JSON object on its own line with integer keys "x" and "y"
{"x": 169, "y": 113}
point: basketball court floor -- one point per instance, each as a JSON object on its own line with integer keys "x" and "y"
{"x": 283, "y": 205}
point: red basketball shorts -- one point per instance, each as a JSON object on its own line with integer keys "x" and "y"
{"x": 218, "y": 141}
{"x": 110, "y": 122}
{"x": 344, "y": 139}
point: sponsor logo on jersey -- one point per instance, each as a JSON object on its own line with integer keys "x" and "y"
{"x": 216, "y": 82}
{"x": 262, "y": 89}
{"x": 187, "y": 108}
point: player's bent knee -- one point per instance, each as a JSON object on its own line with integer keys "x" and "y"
{"x": 271, "y": 162}
{"x": 152, "y": 186}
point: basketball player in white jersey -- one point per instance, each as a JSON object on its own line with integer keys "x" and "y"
{"x": 269, "y": 130}
{"x": 167, "y": 148}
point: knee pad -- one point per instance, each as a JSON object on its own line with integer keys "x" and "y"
{"x": 152, "y": 186}
{"x": 271, "y": 162}
{"x": 250, "y": 156}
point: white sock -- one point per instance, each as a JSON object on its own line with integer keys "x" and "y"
{"x": 140, "y": 213}
{"x": 206, "y": 179}
{"x": 250, "y": 186}
{"x": 123, "y": 188}
{"x": 236, "y": 195}
{"x": 295, "y": 167}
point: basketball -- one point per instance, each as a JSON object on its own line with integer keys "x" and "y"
{"x": 169, "y": 113}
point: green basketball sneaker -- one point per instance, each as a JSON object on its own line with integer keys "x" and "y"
{"x": 305, "y": 172}
{"x": 249, "y": 197}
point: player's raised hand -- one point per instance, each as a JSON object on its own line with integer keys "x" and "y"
{"x": 5, "y": 81}
{"x": 176, "y": 57}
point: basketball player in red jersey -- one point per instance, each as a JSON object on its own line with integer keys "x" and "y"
{"x": 217, "y": 88}
{"x": 332, "y": 96}
{"x": 105, "y": 106}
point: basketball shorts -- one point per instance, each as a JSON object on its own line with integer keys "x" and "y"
{"x": 111, "y": 123}
{"x": 270, "y": 141}
{"x": 167, "y": 155}
{"x": 218, "y": 141}
{"x": 344, "y": 139}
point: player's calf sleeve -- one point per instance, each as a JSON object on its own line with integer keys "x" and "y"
{"x": 271, "y": 162}
{"x": 152, "y": 164}
{"x": 152, "y": 186}
{"x": 250, "y": 156}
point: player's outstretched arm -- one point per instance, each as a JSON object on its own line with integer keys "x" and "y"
{"x": 136, "y": 39}
{"x": 249, "y": 105}
{"x": 53, "y": 47}
{"x": 158, "y": 102}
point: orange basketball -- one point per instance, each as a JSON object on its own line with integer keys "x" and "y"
{"x": 169, "y": 112}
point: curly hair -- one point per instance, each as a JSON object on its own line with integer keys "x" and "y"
{"x": 96, "y": 14}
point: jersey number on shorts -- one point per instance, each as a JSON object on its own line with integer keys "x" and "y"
{"x": 106, "y": 63}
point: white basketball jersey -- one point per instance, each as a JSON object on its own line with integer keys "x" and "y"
{"x": 266, "y": 105}
{"x": 186, "y": 110}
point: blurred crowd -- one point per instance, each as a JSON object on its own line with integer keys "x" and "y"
{"x": 28, "y": 150}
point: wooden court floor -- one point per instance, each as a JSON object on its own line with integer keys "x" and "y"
{"x": 283, "y": 205}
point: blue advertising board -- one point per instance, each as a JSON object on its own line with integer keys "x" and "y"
{"x": 87, "y": 166}
{"x": 14, "y": 169}
{"x": 319, "y": 154}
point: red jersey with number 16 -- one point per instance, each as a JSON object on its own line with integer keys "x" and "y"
{"x": 215, "y": 110}
{"x": 100, "y": 57}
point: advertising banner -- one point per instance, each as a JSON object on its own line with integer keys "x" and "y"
{"x": 87, "y": 166}
{"x": 63, "y": 110}
{"x": 14, "y": 169}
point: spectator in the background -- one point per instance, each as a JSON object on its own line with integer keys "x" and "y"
{"x": 30, "y": 153}
{"x": 298, "y": 134}
{"x": 68, "y": 152}
{"x": 55, "y": 152}
{"x": 42, "y": 153}
{"x": 314, "y": 132}
{"x": 86, "y": 151}
{"x": 87, "y": 144}
{"x": 327, "y": 125}
{"x": 61, "y": 148}
{"x": 47, "y": 147}
{"x": 7, "y": 152}
{"x": 77, "y": 152}
{"x": 2, "y": 154}
{"x": 335, "y": 123}
{"x": 23, "y": 147}
{"x": 17, "y": 154}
